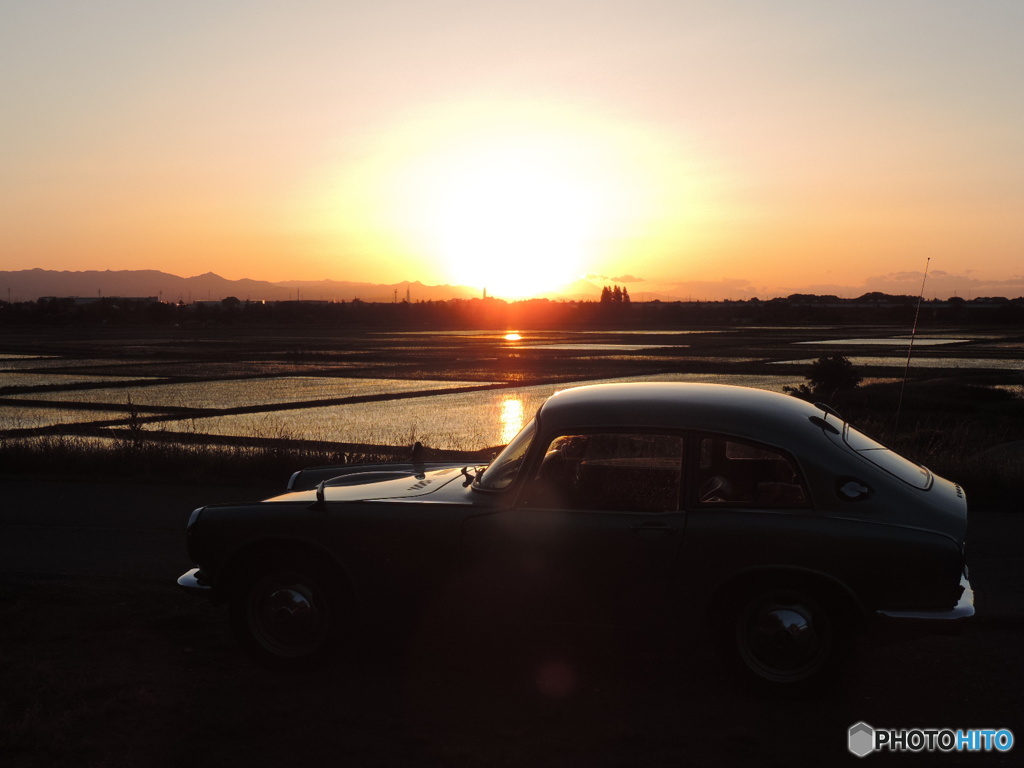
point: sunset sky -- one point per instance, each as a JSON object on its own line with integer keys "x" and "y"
{"x": 706, "y": 149}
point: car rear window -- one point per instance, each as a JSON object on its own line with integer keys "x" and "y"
{"x": 888, "y": 459}
{"x": 734, "y": 473}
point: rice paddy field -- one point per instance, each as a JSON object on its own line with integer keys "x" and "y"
{"x": 465, "y": 390}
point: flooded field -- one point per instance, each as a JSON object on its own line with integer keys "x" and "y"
{"x": 951, "y": 363}
{"x": 463, "y": 421}
{"x": 16, "y": 418}
{"x": 242, "y": 393}
{"x": 585, "y": 347}
{"x": 894, "y": 341}
{"x": 34, "y": 362}
{"x": 35, "y": 379}
{"x": 463, "y": 390}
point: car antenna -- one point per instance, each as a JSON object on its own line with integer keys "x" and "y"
{"x": 910, "y": 349}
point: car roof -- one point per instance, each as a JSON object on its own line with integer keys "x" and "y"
{"x": 757, "y": 414}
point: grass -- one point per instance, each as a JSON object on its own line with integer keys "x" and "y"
{"x": 142, "y": 458}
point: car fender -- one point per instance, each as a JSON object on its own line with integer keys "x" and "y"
{"x": 266, "y": 550}
{"x": 726, "y": 591}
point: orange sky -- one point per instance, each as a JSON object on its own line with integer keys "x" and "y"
{"x": 707, "y": 150}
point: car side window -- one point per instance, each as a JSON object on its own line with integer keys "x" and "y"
{"x": 731, "y": 472}
{"x": 609, "y": 471}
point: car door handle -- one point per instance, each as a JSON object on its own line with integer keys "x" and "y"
{"x": 662, "y": 529}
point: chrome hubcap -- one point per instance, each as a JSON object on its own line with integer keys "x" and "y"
{"x": 780, "y": 639}
{"x": 286, "y": 616}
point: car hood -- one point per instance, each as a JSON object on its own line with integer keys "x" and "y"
{"x": 379, "y": 485}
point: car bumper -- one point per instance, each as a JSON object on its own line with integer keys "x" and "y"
{"x": 192, "y": 582}
{"x": 949, "y": 620}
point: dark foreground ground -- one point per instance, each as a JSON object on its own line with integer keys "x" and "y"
{"x": 103, "y": 662}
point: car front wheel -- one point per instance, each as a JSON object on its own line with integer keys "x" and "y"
{"x": 286, "y": 615}
{"x": 788, "y": 636}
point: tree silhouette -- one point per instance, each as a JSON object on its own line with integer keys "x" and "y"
{"x": 614, "y": 295}
{"x": 827, "y": 376}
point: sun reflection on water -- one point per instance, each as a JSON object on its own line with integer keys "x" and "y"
{"x": 511, "y": 418}
{"x": 512, "y": 337}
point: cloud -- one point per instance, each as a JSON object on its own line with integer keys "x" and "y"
{"x": 619, "y": 279}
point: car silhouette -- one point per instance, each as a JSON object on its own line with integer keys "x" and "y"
{"x": 766, "y": 522}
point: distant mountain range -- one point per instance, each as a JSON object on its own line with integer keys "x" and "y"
{"x": 32, "y": 284}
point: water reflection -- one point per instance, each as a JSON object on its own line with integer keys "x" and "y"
{"x": 604, "y": 347}
{"x": 893, "y": 341}
{"x": 965, "y": 363}
{"x": 512, "y": 412}
{"x": 512, "y": 337}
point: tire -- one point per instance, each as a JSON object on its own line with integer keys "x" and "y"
{"x": 787, "y": 636}
{"x": 288, "y": 616}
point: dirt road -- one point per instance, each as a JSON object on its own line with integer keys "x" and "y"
{"x": 79, "y": 528}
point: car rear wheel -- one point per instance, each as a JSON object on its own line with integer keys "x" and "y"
{"x": 287, "y": 615}
{"x": 787, "y": 636}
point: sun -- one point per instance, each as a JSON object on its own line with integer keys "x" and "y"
{"x": 513, "y": 221}
{"x": 518, "y": 199}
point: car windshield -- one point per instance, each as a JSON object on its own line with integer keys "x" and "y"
{"x": 502, "y": 471}
{"x": 888, "y": 459}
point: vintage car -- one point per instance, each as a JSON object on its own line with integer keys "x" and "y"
{"x": 677, "y": 506}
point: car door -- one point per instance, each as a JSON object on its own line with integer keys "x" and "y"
{"x": 591, "y": 536}
{"x": 750, "y": 509}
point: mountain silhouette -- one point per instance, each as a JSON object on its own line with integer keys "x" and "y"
{"x": 33, "y": 284}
